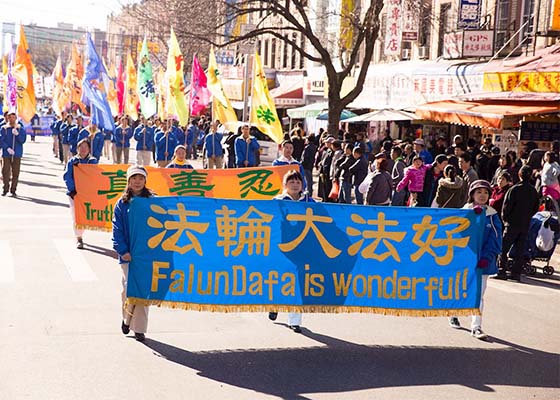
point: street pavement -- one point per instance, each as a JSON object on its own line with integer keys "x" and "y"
{"x": 60, "y": 330}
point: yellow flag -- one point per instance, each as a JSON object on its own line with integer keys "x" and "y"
{"x": 346, "y": 27}
{"x": 60, "y": 96}
{"x": 131, "y": 96}
{"x": 263, "y": 111}
{"x": 73, "y": 79}
{"x": 221, "y": 106}
{"x": 23, "y": 72}
{"x": 162, "y": 95}
{"x": 176, "y": 101}
{"x": 5, "y": 85}
{"x": 112, "y": 90}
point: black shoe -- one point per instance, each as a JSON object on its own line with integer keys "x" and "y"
{"x": 14, "y": 194}
{"x": 80, "y": 244}
{"x": 295, "y": 328}
{"x": 272, "y": 316}
{"x": 4, "y": 193}
{"x": 501, "y": 276}
{"x": 125, "y": 328}
{"x": 140, "y": 337}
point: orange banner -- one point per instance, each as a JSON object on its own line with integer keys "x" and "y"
{"x": 100, "y": 186}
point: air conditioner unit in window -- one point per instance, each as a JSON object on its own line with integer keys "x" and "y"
{"x": 405, "y": 55}
{"x": 423, "y": 52}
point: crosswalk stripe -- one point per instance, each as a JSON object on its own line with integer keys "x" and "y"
{"x": 74, "y": 260}
{"x": 7, "y": 274}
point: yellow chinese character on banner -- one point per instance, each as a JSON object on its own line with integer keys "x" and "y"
{"x": 249, "y": 229}
{"x": 310, "y": 219}
{"x": 450, "y": 242}
{"x": 182, "y": 225}
{"x": 380, "y": 235}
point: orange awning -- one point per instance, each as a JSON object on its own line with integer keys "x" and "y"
{"x": 483, "y": 114}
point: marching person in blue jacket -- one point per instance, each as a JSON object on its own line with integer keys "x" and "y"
{"x": 83, "y": 157}
{"x": 479, "y": 195}
{"x": 287, "y": 159}
{"x": 73, "y": 134}
{"x": 165, "y": 141}
{"x": 213, "y": 147}
{"x": 57, "y": 139}
{"x": 12, "y": 138}
{"x": 123, "y": 134}
{"x": 245, "y": 148}
{"x": 144, "y": 136}
{"x": 133, "y": 317}
{"x": 64, "y": 131}
{"x": 293, "y": 190}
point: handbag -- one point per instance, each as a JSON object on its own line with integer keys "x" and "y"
{"x": 333, "y": 195}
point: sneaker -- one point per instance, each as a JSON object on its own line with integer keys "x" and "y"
{"x": 454, "y": 322}
{"x": 477, "y": 333}
{"x": 501, "y": 276}
{"x": 80, "y": 243}
{"x": 139, "y": 337}
{"x": 13, "y": 194}
{"x": 272, "y": 316}
{"x": 295, "y": 328}
{"x": 125, "y": 328}
{"x": 4, "y": 193}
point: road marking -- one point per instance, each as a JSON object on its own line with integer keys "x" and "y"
{"x": 74, "y": 260}
{"x": 7, "y": 274}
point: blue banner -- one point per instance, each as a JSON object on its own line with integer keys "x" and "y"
{"x": 236, "y": 255}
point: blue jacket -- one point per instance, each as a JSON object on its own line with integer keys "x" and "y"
{"x": 55, "y": 127}
{"x": 121, "y": 233}
{"x": 144, "y": 139}
{"x": 69, "y": 172}
{"x": 108, "y": 134}
{"x": 165, "y": 143}
{"x": 246, "y": 151}
{"x": 213, "y": 145}
{"x": 64, "y": 129}
{"x": 284, "y": 161}
{"x": 73, "y": 134}
{"x": 192, "y": 133}
{"x": 122, "y": 136}
{"x": 83, "y": 134}
{"x": 492, "y": 239}
{"x": 9, "y": 141}
{"x": 179, "y": 135}
{"x": 97, "y": 144}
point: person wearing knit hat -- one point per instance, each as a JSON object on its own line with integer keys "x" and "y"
{"x": 134, "y": 317}
{"x": 180, "y": 158}
{"x": 479, "y": 194}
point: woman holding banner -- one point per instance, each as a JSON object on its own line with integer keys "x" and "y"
{"x": 83, "y": 157}
{"x": 135, "y": 317}
{"x": 479, "y": 195}
{"x": 293, "y": 187}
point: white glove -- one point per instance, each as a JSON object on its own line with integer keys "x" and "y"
{"x": 15, "y": 131}
{"x": 10, "y": 151}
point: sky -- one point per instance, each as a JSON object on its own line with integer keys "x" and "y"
{"x": 83, "y": 13}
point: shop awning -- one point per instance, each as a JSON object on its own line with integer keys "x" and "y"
{"x": 308, "y": 111}
{"x": 288, "y": 94}
{"x": 481, "y": 114}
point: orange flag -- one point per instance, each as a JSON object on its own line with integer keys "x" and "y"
{"x": 74, "y": 76}
{"x": 23, "y": 72}
{"x": 60, "y": 95}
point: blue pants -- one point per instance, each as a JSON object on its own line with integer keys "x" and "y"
{"x": 345, "y": 193}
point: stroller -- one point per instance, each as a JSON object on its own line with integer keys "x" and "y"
{"x": 549, "y": 217}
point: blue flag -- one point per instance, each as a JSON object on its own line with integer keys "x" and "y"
{"x": 95, "y": 86}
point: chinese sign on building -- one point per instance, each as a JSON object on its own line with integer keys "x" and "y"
{"x": 226, "y": 255}
{"x": 453, "y": 45}
{"x": 394, "y": 28}
{"x": 478, "y": 44}
{"x": 544, "y": 82}
{"x": 469, "y": 14}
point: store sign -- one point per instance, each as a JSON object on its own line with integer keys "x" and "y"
{"x": 541, "y": 82}
{"x": 453, "y": 45}
{"x": 313, "y": 87}
{"x": 394, "y": 28}
{"x": 225, "y": 57}
{"x": 478, "y": 44}
{"x": 410, "y": 20}
{"x": 555, "y": 17}
{"x": 469, "y": 14}
{"x": 540, "y": 131}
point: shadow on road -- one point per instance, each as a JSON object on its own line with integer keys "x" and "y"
{"x": 547, "y": 282}
{"x": 342, "y": 366}
{"x": 43, "y": 202}
{"x": 101, "y": 250}
{"x": 41, "y": 184}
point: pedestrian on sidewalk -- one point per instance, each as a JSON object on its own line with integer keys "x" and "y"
{"x": 83, "y": 157}
{"x": 134, "y": 317}
{"x": 12, "y": 138}
{"x": 479, "y": 194}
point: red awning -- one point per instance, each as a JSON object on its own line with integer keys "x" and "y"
{"x": 487, "y": 114}
{"x": 288, "y": 94}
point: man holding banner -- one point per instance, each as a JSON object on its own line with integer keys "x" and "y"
{"x": 12, "y": 138}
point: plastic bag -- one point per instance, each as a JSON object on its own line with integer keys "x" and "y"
{"x": 545, "y": 237}
{"x": 333, "y": 195}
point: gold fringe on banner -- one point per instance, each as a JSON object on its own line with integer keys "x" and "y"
{"x": 223, "y": 308}
{"x": 94, "y": 228}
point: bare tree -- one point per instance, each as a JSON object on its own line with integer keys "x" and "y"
{"x": 44, "y": 56}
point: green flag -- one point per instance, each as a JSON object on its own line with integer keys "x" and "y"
{"x": 146, "y": 87}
